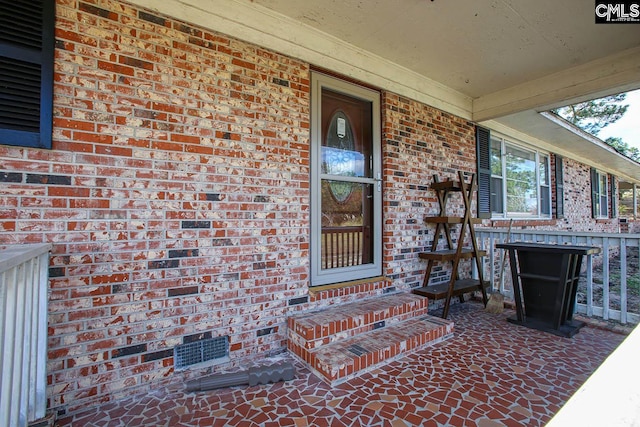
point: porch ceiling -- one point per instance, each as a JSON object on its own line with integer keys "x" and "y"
{"x": 480, "y": 59}
{"x": 476, "y": 47}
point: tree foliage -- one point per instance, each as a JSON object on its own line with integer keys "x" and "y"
{"x": 624, "y": 148}
{"x": 593, "y": 116}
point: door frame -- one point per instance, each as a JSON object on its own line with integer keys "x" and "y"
{"x": 319, "y": 276}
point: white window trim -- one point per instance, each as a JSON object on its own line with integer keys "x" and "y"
{"x": 538, "y": 153}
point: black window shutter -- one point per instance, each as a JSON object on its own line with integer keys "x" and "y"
{"x": 559, "y": 187}
{"x": 614, "y": 197}
{"x": 594, "y": 193}
{"x": 27, "y": 44}
{"x": 483, "y": 138}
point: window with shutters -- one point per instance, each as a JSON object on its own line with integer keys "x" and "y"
{"x": 599, "y": 194}
{"x": 518, "y": 178}
{"x": 26, "y": 72}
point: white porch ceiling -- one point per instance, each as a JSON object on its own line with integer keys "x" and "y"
{"x": 476, "y": 47}
{"x": 486, "y": 60}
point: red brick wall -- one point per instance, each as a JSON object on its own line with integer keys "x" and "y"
{"x": 176, "y": 197}
{"x": 419, "y": 142}
{"x": 577, "y": 202}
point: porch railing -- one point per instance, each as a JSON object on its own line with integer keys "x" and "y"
{"x": 342, "y": 246}
{"x": 610, "y": 281}
{"x": 23, "y": 329}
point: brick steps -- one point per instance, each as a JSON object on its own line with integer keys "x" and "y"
{"x": 341, "y": 342}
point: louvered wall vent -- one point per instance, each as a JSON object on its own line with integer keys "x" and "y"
{"x": 209, "y": 351}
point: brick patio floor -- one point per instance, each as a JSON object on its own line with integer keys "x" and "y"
{"x": 491, "y": 373}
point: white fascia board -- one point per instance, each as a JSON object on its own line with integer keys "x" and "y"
{"x": 265, "y": 28}
{"x": 606, "y": 76}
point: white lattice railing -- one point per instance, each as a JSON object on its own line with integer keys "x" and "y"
{"x": 610, "y": 286}
{"x": 23, "y": 328}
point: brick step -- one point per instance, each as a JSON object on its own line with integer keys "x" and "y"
{"x": 344, "y": 341}
{"x": 319, "y": 328}
{"x": 347, "y": 358}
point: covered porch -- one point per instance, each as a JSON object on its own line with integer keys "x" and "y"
{"x": 491, "y": 373}
{"x": 180, "y": 196}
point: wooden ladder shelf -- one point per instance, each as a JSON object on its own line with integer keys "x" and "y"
{"x": 454, "y": 254}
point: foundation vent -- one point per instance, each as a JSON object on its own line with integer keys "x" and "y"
{"x": 199, "y": 353}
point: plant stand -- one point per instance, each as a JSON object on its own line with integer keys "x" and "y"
{"x": 454, "y": 253}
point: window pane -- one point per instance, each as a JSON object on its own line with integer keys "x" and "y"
{"x": 545, "y": 201}
{"x": 602, "y": 195}
{"x": 497, "y": 197}
{"x": 602, "y": 183}
{"x": 604, "y": 205}
{"x": 544, "y": 170}
{"x": 522, "y": 195}
{"x": 496, "y": 158}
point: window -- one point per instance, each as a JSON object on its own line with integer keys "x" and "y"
{"x": 26, "y": 72}
{"x": 520, "y": 183}
{"x": 599, "y": 194}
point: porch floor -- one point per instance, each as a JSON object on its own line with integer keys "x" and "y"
{"x": 491, "y": 373}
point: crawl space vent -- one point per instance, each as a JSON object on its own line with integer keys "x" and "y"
{"x": 200, "y": 352}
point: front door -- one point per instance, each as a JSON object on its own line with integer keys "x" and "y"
{"x": 346, "y": 182}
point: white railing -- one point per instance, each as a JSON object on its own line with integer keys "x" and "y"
{"x": 610, "y": 281}
{"x": 23, "y": 328}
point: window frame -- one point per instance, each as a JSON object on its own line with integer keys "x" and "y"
{"x": 499, "y": 205}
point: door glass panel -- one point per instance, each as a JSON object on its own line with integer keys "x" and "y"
{"x": 346, "y": 231}
{"x": 340, "y": 154}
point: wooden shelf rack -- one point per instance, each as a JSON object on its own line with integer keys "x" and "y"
{"x": 453, "y": 254}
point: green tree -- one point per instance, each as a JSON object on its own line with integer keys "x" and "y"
{"x": 592, "y": 116}
{"x": 624, "y": 148}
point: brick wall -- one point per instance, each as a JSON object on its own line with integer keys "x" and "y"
{"x": 419, "y": 142}
{"x": 176, "y": 197}
{"x": 577, "y": 205}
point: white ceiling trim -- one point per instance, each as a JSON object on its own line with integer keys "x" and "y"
{"x": 607, "y": 76}
{"x": 265, "y": 28}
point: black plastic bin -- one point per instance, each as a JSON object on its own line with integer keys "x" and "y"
{"x": 545, "y": 282}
